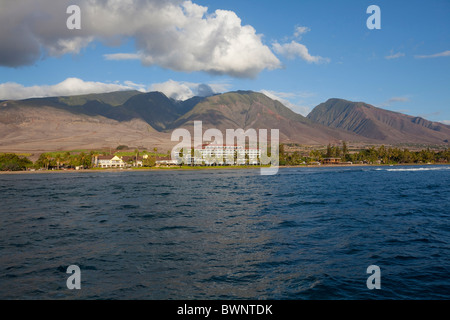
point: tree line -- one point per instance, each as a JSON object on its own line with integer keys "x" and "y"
{"x": 371, "y": 155}
{"x": 13, "y": 162}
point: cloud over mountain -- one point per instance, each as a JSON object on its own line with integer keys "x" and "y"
{"x": 178, "y": 35}
{"x": 70, "y": 86}
{"x": 185, "y": 90}
{"x": 284, "y": 97}
{"x": 177, "y": 90}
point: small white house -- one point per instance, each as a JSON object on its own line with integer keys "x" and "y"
{"x": 110, "y": 161}
{"x": 113, "y": 161}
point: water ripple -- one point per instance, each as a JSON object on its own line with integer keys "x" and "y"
{"x": 307, "y": 233}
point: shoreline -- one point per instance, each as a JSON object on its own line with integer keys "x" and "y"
{"x": 219, "y": 168}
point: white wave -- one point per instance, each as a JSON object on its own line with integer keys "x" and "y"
{"x": 416, "y": 169}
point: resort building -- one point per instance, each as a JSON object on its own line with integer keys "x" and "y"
{"x": 331, "y": 160}
{"x": 214, "y": 154}
{"x": 253, "y": 156}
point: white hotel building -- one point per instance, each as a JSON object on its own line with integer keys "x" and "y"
{"x": 215, "y": 154}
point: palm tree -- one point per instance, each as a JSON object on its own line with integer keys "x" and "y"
{"x": 66, "y": 158}
{"x": 344, "y": 150}
{"x": 82, "y": 159}
{"x": 329, "y": 151}
{"x": 48, "y": 157}
{"x": 136, "y": 151}
{"x": 58, "y": 160}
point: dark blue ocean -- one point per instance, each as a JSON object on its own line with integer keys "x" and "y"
{"x": 305, "y": 233}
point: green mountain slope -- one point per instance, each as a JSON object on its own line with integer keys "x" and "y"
{"x": 116, "y": 98}
{"x": 147, "y": 119}
{"x": 247, "y": 109}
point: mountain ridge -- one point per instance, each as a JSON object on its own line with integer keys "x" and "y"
{"x": 375, "y": 123}
{"x": 147, "y": 119}
{"x": 248, "y": 109}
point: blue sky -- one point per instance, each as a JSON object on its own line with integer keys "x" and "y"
{"x": 300, "y": 52}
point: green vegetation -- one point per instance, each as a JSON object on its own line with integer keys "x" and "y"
{"x": 372, "y": 155}
{"x": 112, "y": 98}
{"x": 149, "y": 162}
{"x": 83, "y": 158}
{"x": 57, "y": 160}
{"x": 287, "y": 157}
{"x": 13, "y": 162}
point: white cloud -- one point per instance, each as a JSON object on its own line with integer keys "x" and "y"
{"x": 73, "y": 45}
{"x": 70, "y": 86}
{"x": 393, "y": 100}
{"x": 173, "y": 89}
{"x": 294, "y": 49}
{"x": 285, "y": 97}
{"x": 174, "y": 34}
{"x": 122, "y": 56}
{"x": 395, "y": 56}
{"x": 436, "y": 55}
{"x": 447, "y": 122}
{"x": 185, "y": 90}
{"x": 398, "y": 99}
{"x": 74, "y": 86}
{"x": 299, "y": 31}
{"x": 137, "y": 86}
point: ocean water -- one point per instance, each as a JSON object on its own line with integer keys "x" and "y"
{"x": 305, "y": 233}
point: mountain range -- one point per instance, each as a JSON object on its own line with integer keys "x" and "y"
{"x": 146, "y": 120}
{"x": 381, "y": 125}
